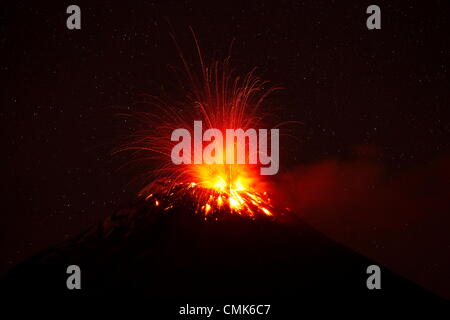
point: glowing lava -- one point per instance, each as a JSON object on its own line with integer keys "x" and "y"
{"x": 211, "y": 201}
{"x": 220, "y": 100}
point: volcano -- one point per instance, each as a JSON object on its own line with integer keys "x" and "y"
{"x": 178, "y": 255}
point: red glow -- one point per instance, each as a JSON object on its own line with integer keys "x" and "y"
{"x": 222, "y": 100}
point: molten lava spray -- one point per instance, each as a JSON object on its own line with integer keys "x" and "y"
{"x": 221, "y": 100}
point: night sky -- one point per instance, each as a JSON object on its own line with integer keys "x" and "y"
{"x": 370, "y": 102}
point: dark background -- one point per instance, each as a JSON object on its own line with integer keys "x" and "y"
{"x": 374, "y": 106}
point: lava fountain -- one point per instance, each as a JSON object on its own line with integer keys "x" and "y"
{"x": 222, "y": 100}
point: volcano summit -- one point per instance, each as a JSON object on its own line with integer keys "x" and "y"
{"x": 173, "y": 254}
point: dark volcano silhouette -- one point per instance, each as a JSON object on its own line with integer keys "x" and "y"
{"x": 178, "y": 255}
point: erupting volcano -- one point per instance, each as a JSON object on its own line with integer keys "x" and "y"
{"x": 206, "y": 229}
{"x": 224, "y": 176}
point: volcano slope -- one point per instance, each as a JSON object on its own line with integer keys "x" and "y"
{"x": 178, "y": 255}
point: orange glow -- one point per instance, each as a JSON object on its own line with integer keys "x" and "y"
{"x": 212, "y": 201}
{"x": 236, "y": 184}
{"x": 222, "y": 100}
